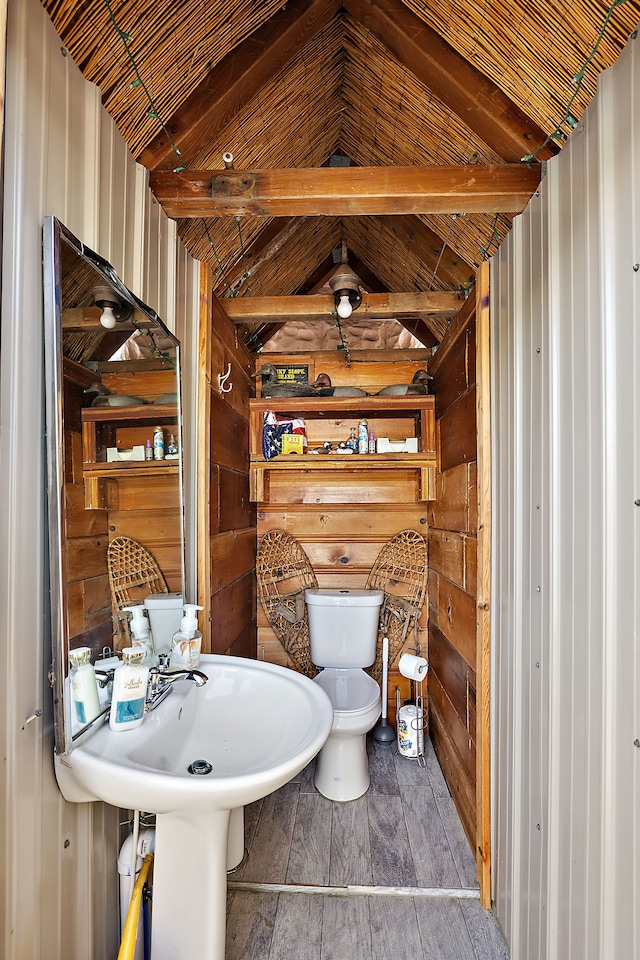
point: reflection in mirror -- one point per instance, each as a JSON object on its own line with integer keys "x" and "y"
{"x": 114, "y": 440}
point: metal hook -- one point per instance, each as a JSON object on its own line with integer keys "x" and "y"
{"x": 222, "y": 381}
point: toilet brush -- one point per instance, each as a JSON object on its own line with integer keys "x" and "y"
{"x": 382, "y": 732}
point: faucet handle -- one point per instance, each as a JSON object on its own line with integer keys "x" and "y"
{"x": 163, "y": 660}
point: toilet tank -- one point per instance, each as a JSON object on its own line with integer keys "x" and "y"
{"x": 165, "y": 617}
{"x": 343, "y": 626}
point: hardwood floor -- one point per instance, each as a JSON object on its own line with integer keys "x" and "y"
{"x": 294, "y": 897}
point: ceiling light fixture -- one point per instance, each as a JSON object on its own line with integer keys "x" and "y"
{"x": 114, "y": 309}
{"x": 345, "y": 287}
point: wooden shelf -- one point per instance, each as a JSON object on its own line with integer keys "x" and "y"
{"x": 147, "y": 411}
{"x": 130, "y": 468}
{"x": 419, "y": 409}
{"x": 143, "y": 415}
{"x": 329, "y": 405}
{"x": 101, "y": 427}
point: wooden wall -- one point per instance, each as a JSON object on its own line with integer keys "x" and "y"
{"x": 146, "y": 509}
{"x": 453, "y": 543}
{"x": 227, "y": 518}
{"x": 342, "y": 522}
{"x": 87, "y": 532}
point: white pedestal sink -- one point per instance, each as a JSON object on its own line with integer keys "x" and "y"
{"x": 257, "y": 725}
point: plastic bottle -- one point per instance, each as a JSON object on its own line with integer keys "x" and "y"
{"x": 363, "y": 436}
{"x": 141, "y": 634}
{"x": 129, "y": 690}
{"x": 84, "y": 686}
{"x": 352, "y": 442}
{"x": 148, "y": 451}
{"x": 158, "y": 444}
{"x": 172, "y": 447}
{"x": 372, "y": 442}
{"x": 187, "y": 641}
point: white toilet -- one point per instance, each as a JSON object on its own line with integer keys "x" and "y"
{"x": 343, "y": 628}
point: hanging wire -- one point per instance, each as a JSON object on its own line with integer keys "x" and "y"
{"x": 220, "y": 269}
{"x": 244, "y": 261}
{"x": 344, "y": 343}
{"x": 494, "y": 236}
{"x": 148, "y": 336}
{"x": 139, "y": 82}
{"x": 569, "y": 119}
{"x": 454, "y": 217}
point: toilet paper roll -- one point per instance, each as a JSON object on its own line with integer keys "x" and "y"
{"x": 412, "y": 667}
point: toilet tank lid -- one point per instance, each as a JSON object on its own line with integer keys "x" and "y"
{"x": 164, "y": 600}
{"x": 344, "y": 598}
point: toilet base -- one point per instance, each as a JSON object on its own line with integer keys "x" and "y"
{"x": 342, "y": 768}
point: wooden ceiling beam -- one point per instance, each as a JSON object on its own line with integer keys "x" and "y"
{"x": 479, "y": 102}
{"x": 346, "y": 191}
{"x": 375, "y": 306}
{"x": 235, "y": 80}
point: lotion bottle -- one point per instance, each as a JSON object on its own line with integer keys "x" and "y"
{"x": 141, "y": 634}
{"x": 129, "y": 690}
{"x": 84, "y": 686}
{"x": 187, "y": 641}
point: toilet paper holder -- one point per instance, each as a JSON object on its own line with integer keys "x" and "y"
{"x": 410, "y": 717}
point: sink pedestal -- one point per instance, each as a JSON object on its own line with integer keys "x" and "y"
{"x": 190, "y": 886}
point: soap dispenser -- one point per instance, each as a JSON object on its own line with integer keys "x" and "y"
{"x": 141, "y": 634}
{"x": 187, "y": 641}
{"x": 129, "y": 690}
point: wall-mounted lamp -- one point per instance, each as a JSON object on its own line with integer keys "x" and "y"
{"x": 113, "y": 308}
{"x": 346, "y": 291}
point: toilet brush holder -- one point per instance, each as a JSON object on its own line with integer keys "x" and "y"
{"x": 383, "y": 732}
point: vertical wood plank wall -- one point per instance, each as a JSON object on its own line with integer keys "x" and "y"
{"x": 453, "y": 524}
{"x": 343, "y": 525}
{"x": 227, "y": 527}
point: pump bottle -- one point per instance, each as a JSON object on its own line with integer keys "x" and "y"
{"x": 141, "y": 634}
{"x": 187, "y": 641}
{"x": 129, "y": 690}
{"x": 84, "y": 686}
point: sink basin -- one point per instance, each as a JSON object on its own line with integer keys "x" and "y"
{"x": 256, "y": 725}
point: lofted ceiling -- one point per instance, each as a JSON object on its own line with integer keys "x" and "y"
{"x": 453, "y": 95}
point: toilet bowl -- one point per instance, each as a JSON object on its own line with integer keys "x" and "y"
{"x": 342, "y": 766}
{"x": 343, "y": 628}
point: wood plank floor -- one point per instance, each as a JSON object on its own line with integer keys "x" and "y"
{"x": 404, "y": 833}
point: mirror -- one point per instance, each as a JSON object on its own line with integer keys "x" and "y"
{"x": 112, "y": 382}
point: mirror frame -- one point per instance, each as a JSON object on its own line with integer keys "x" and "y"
{"x": 54, "y": 235}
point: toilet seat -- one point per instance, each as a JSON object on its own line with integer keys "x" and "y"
{"x": 350, "y": 690}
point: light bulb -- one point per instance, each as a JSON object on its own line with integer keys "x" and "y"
{"x": 344, "y": 309}
{"x": 107, "y": 317}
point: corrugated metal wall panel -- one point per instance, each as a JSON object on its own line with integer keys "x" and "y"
{"x": 620, "y": 206}
{"x": 566, "y": 354}
{"x": 63, "y": 156}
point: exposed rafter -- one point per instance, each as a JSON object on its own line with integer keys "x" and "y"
{"x": 239, "y": 77}
{"x": 415, "y": 236}
{"x": 375, "y": 306}
{"x": 346, "y": 191}
{"x": 468, "y": 92}
{"x": 269, "y": 242}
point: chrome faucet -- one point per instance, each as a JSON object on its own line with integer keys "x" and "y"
{"x": 161, "y": 683}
